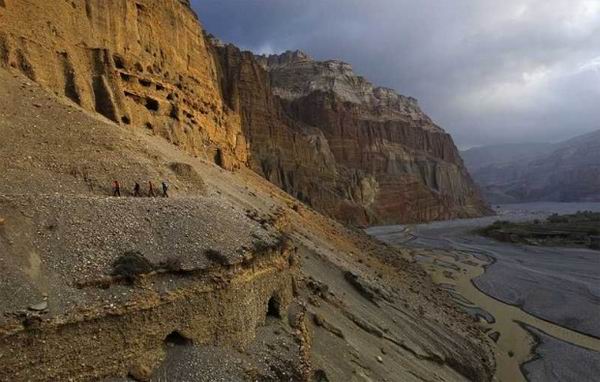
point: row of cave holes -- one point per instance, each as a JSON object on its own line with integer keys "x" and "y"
{"x": 120, "y": 64}
{"x": 145, "y": 83}
{"x": 175, "y": 338}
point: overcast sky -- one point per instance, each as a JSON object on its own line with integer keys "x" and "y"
{"x": 488, "y": 71}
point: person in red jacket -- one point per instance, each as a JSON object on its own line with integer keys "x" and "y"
{"x": 116, "y": 188}
{"x": 151, "y": 192}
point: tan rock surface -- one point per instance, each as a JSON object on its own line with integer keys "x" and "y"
{"x": 148, "y": 61}
{"x": 395, "y": 163}
{"x": 359, "y": 153}
{"x": 139, "y": 63}
{"x": 61, "y": 247}
{"x": 362, "y": 154}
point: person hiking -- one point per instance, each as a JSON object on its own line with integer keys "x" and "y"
{"x": 151, "y": 192}
{"x": 165, "y": 188}
{"x": 136, "y": 190}
{"x": 116, "y": 188}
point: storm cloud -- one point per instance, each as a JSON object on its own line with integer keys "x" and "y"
{"x": 487, "y": 71}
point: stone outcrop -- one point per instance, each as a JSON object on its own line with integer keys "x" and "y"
{"x": 206, "y": 302}
{"x": 362, "y": 154}
{"x": 139, "y": 63}
{"x": 379, "y": 158}
{"x": 293, "y": 155}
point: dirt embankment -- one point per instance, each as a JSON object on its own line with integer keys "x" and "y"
{"x": 60, "y": 235}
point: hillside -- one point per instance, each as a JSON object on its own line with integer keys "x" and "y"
{"x": 230, "y": 278}
{"x": 60, "y": 235}
{"x": 361, "y": 154}
{"x": 564, "y": 172}
{"x": 477, "y": 158}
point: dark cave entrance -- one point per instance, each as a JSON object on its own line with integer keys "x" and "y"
{"x": 219, "y": 161}
{"x": 152, "y": 104}
{"x": 177, "y": 339}
{"x": 274, "y": 307}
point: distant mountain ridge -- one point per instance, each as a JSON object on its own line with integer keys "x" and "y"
{"x": 568, "y": 171}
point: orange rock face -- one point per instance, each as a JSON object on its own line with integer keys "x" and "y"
{"x": 139, "y": 63}
{"x": 362, "y": 154}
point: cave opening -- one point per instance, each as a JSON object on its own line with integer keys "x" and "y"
{"x": 175, "y": 338}
{"x": 152, "y": 104}
{"x": 274, "y": 307}
{"x": 145, "y": 83}
{"x": 219, "y": 160}
{"x": 119, "y": 62}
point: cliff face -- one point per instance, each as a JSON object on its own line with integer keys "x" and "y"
{"x": 293, "y": 155}
{"x": 216, "y": 271}
{"x": 362, "y": 154}
{"x": 144, "y": 64}
{"x": 205, "y": 282}
{"x": 387, "y": 161}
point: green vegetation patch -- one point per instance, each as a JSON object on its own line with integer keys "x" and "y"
{"x": 581, "y": 229}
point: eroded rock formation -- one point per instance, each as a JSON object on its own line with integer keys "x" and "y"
{"x": 379, "y": 158}
{"x": 207, "y": 300}
{"x": 141, "y": 63}
{"x": 212, "y": 268}
{"x": 362, "y": 154}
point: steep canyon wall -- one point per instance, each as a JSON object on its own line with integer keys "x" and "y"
{"x": 139, "y": 63}
{"x": 379, "y": 158}
{"x": 361, "y": 154}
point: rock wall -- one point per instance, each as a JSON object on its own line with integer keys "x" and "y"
{"x": 140, "y": 63}
{"x": 96, "y": 324}
{"x": 362, "y": 154}
{"x": 87, "y": 348}
{"x": 379, "y": 158}
{"x": 290, "y": 154}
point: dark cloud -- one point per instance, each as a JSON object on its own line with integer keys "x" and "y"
{"x": 488, "y": 71}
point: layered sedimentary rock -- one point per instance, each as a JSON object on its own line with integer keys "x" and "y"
{"x": 379, "y": 158}
{"x": 293, "y": 155}
{"x": 362, "y": 154}
{"x": 140, "y": 63}
{"x": 209, "y": 299}
{"x": 95, "y": 286}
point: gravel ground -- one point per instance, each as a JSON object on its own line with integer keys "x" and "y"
{"x": 71, "y": 239}
{"x": 58, "y": 227}
{"x": 269, "y": 358}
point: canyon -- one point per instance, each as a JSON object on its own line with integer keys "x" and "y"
{"x": 361, "y": 154}
{"x": 244, "y": 259}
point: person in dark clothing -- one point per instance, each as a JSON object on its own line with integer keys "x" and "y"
{"x": 136, "y": 190}
{"x": 116, "y": 188}
{"x": 165, "y": 188}
{"x": 151, "y": 192}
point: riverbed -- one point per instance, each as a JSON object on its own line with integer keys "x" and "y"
{"x": 539, "y": 305}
